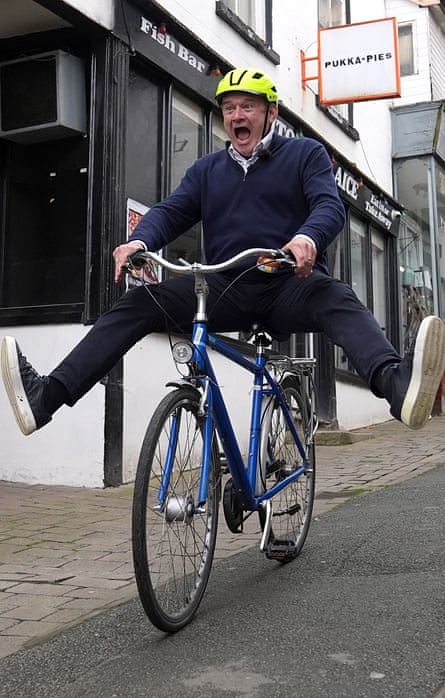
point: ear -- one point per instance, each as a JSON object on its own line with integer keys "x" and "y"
{"x": 273, "y": 111}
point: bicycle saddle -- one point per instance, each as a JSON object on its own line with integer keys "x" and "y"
{"x": 258, "y": 327}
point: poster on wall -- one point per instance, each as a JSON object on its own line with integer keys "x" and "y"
{"x": 151, "y": 273}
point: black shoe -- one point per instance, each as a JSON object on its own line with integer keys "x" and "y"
{"x": 24, "y": 387}
{"x": 415, "y": 381}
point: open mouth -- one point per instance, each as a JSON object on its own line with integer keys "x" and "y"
{"x": 242, "y": 133}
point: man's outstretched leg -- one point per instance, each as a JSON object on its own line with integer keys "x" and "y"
{"x": 410, "y": 386}
{"x": 168, "y": 306}
{"x": 328, "y": 305}
{"x": 34, "y": 398}
{"x": 25, "y": 388}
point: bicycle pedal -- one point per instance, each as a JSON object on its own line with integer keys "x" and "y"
{"x": 233, "y": 512}
{"x": 281, "y": 550}
{"x": 223, "y": 463}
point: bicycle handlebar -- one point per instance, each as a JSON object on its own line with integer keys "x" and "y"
{"x": 271, "y": 258}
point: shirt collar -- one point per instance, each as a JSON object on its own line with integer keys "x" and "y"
{"x": 259, "y": 148}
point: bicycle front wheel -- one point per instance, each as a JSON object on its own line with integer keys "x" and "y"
{"x": 291, "y": 506}
{"x": 174, "y": 538}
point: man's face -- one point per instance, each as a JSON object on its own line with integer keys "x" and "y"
{"x": 243, "y": 116}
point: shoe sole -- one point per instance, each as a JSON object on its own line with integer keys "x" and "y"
{"x": 14, "y": 387}
{"x": 428, "y": 367}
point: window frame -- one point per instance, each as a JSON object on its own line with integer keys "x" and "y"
{"x": 263, "y": 45}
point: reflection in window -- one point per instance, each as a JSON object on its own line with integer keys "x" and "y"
{"x": 142, "y": 140}
{"x": 414, "y": 280}
{"x": 186, "y": 138}
{"x": 412, "y": 177}
{"x": 219, "y": 136}
{"x": 331, "y": 13}
{"x": 378, "y": 277}
{"x": 186, "y": 147}
{"x": 367, "y": 262}
{"x": 358, "y": 259}
{"x": 440, "y": 192}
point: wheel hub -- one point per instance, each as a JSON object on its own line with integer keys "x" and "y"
{"x": 179, "y": 508}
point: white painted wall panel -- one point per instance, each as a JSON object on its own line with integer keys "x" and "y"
{"x": 69, "y": 450}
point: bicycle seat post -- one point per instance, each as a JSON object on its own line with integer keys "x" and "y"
{"x": 261, "y": 341}
{"x": 201, "y": 292}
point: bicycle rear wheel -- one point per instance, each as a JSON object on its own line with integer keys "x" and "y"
{"x": 291, "y": 506}
{"x": 173, "y": 539}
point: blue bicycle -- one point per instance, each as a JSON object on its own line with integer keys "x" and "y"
{"x": 190, "y": 450}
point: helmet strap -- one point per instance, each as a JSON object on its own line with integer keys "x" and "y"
{"x": 265, "y": 129}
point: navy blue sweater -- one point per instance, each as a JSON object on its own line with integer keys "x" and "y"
{"x": 292, "y": 191}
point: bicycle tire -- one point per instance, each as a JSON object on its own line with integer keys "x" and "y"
{"x": 292, "y": 506}
{"x": 173, "y": 548}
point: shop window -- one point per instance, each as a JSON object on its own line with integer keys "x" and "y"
{"x": 406, "y": 49}
{"x": 142, "y": 140}
{"x": 219, "y": 136}
{"x": 186, "y": 146}
{"x": 414, "y": 280}
{"x": 253, "y": 20}
{"x": 359, "y": 267}
{"x": 378, "y": 277}
{"x": 362, "y": 262}
{"x": 419, "y": 254}
{"x": 43, "y": 214}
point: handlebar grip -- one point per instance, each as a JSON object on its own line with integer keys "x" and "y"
{"x": 137, "y": 259}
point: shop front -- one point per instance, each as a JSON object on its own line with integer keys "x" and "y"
{"x": 147, "y": 91}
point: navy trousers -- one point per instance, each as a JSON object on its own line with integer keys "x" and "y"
{"x": 282, "y": 302}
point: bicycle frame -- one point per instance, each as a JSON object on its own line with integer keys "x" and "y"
{"x": 215, "y": 414}
{"x": 263, "y": 384}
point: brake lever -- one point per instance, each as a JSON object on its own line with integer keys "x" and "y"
{"x": 271, "y": 265}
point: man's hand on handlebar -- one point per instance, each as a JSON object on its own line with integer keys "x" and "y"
{"x": 304, "y": 253}
{"x": 120, "y": 255}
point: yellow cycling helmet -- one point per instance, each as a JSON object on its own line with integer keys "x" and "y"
{"x": 247, "y": 80}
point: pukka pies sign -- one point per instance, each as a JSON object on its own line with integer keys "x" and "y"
{"x": 358, "y": 62}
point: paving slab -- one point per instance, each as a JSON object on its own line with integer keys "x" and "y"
{"x": 65, "y": 552}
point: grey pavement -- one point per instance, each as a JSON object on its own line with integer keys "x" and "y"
{"x": 65, "y": 553}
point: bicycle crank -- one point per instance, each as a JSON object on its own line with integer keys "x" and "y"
{"x": 233, "y": 512}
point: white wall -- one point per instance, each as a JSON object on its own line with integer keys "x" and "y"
{"x": 99, "y": 11}
{"x": 358, "y": 407}
{"x": 148, "y": 367}
{"x": 69, "y": 450}
{"x": 415, "y": 88}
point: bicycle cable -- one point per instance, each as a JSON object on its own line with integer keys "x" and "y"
{"x": 169, "y": 328}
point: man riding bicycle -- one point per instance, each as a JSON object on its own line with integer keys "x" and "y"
{"x": 263, "y": 190}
